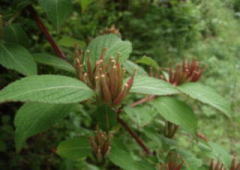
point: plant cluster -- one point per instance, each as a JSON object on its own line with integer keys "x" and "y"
{"x": 110, "y": 113}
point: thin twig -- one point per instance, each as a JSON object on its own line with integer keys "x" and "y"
{"x": 139, "y": 141}
{"x": 45, "y": 31}
{"x": 135, "y": 136}
{"x": 143, "y": 100}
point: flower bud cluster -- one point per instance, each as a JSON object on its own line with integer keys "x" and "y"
{"x": 105, "y": 77}
{"x": 101, "y": 144}
{"x": 182, "y": 73}
{"x": 111, "y": 30}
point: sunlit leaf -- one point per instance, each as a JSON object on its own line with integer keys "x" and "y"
{"x": 46, "y": 89}
{"x": 153, "y": 86}
{"x": 206, "y": 95}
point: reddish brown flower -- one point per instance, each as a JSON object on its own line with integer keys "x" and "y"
{"x": 171, "y": 166}
{"x": 105, "y": 77}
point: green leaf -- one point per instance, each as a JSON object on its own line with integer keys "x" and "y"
{"x": 46, "y": 89}
{"x": 71, "y": 42}
{"x": 131, "y": 67}
{"x": 176, "y": 112}
{"x": 33, "y": 118}
{"x": 122, "y": 158}
{"x": 141, "y": 115}
{"x": 15, "y": 34}
{"x": 106, "y": 117}
{"x": 153, "y": 86}
{"x": 17, "y": 58}
{"x": 51, "y": 60}
{"x": 115, "y": 46}
{"x": 75, "y": 149}
{"x": 206, "y": 95}
{"x": 191, "y": 162}
{"x": 220, "y": 154}
{"x": 57, "y": 10}
{"x": 148, "y": 61}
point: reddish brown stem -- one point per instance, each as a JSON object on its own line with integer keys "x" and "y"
{"x": 135, "y": 136}
{"x": 143, "y": 100}
{"x": 45, "y": 31}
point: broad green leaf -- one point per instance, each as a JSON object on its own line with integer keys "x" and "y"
{"x": 15, "y": 34}
{"x": 106, "y": 117}
{"x": 176, "y": 112}
{"x": 33, "y": 118}
{"x": 82, "y": 165}
{"x": 191, "y": 162}
{"x": 153, "y": 86}
{"x": 131, "y": 68}
{"x": 71, "y": 42}
{"x": 148, "y": 61}
{"x": 75, "y": 149}
{"x": 206, "y": 95}
{"x": 122, "y": 158}
{"x": 114, "y": 45}
{"x": 51, "y": 60}
{"x": 46, "y": 89}
{"x": 57, "y": 10}
{"x": 16, "y": 57}
{"x": 141, "y": 115}
{"x": 220, "y": 154}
